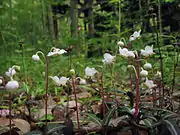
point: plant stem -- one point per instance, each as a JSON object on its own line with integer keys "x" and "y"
{"x": 102, "y": 94}
{"x": 159, "y": 50}
{"x": 23, "y": 63}
{"x": 137, "y": 87}
{"x": 10, "y": 115}
{"x": 76, "y": 100}
{"x": 3, "y": 85}
{"x": 130, "y": 75}
{"x": 174, "y": 70}
{"x": 119, "y": 30}
{"x": 47, "y": 83}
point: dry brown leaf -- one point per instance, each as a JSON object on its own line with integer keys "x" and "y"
{"x": 23, "y": 125}
{"x": 72, "y": 104}
{"x": 4, "y": 122}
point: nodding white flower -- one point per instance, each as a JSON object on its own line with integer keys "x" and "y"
{"x": 81, "y": 81}
{"x": 59, "y": 81}
{"x": 12, "y": 85}
{"x": 149, "y": 83}
{"x": 143, "y": 73}
{"x": 11, "y": 72}
{"x": 36, "y": 57}
{"x": 56, "y": 51}
{"x": 147, "y": 51}
{"x": 158, "y": 74}
{"x": 1, "y": 81}
{"x": 126, "y": 53}
{"x": 132, "y": 111}
{"x": 90, "y": 72}
{"x": 120, "y": 43}
{"x": 135, "y": 35}
{"x": 108, "y": 58}
{"x": 147, "y": 66}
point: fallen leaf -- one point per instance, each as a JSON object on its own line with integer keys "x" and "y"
{"x": 72, "y": 104}
{"x": 4, "y": 122}
{"x": 23, "y": 125}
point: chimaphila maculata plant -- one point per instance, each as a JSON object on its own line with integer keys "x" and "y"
{"x": 138, "y": 57}
{"x": 52, "y": 53}
{"x": 11, "y": 86}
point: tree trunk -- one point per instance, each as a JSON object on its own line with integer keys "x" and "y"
{"x": 74, "y": 18}
{"x": 42, "y": 15}
{"x": 90, "y": 18}
{"x": 50, "y": 21}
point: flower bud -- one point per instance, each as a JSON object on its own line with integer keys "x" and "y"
{"x": 147, "y": 66}
{"x": 144, "y": 73}
{"x": 120, "y": 43}
{"x": 35, "y": 57}
{"x": 72, "y": 71}
{"x": 17, "y": 68}
{"x": 129, "y": 66}
{"x": 12, "y": 85}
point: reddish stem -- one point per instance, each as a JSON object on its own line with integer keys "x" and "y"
{"x": 75, "y": 96}
{"x": 130, "y": 76}
{"x": 46, "y": 96}
{"x": 153, "y": 96}
{"x": 10, "y": 116}
{"x": 137, "y": 86}
{"x": 102, "y": 94}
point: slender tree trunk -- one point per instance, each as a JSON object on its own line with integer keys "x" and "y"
{"x": 119, "y": 14}
{"x": 140, "y": 10}
{"x": 50, "y": 21}
{"x": 160, "y": 42}
{"x": 90, "y": 18}
{"x": 42, "y": 15}
{"x": 11, "y": 14}
{"x": 56, "y": 32}
{"x": 74, "y": 18}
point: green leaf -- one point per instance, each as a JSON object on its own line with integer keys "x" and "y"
{"x": 108, "y": 116}
{"x": 94, "y": 118}
{"x": 171, "y": 127}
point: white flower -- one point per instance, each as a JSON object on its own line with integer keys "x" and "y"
{"x": 120, "y": 43}
{"x": 158, "y": 74}
{"x": 11, "y": 72}
{"x": 12, "y": 85}
{"x": 126, "y": 53}
{"x": 60, "y": 81}
{"x": 147, "y": 51}
{"x": 1, "y": 81}
{"x": 90, "y": 72}
{"x": 143, "y": 73}
{"x": 132, "y": 111}
{"x": 56, "y": 51}
{"x": 36, "y": 57}
{"x": 149, "y": 83}
{"x": 108, "y": 58}
{"x": 147, "y": 66}
{"x": 135, "y": 35}
{"x": 81, "y": 81}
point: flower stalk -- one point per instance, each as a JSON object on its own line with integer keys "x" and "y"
{"x": 47, "y": 83}
{"x": 76, "y": 100}
{"x": 102, "y": 94}
{"x": 137, "y": 86}
{"x": 10, "y": 113}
